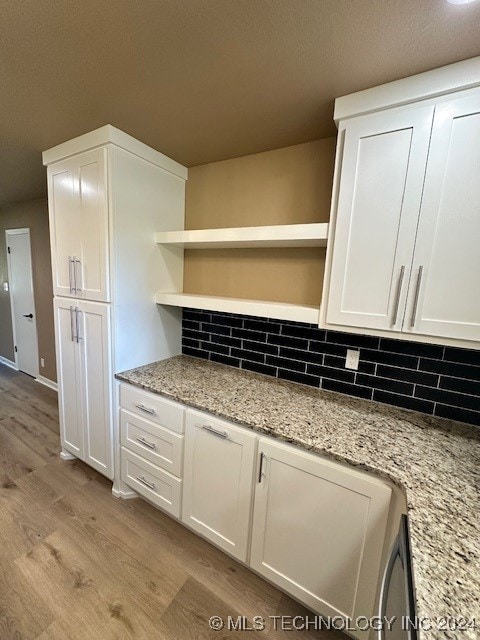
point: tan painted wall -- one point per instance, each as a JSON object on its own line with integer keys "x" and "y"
{"x": 287, "y": 186}
{"x": 33, "y": 215}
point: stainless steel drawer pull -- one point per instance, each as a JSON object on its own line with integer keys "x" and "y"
{"x": 417, "y": 293}
{"x": 220, "y": 434}
{"x": 145, "y": 409}
{"x": 145, "y": 443}
{"x": 150, "y": 485}
{"x": 397, "y": 297}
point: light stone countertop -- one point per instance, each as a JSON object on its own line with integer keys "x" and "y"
{"x": 435, "y": 461}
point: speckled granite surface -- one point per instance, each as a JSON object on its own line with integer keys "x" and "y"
{"x": 436, "y": 462}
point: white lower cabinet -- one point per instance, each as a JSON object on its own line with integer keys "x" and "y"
{"x": 314, "y": 527}
{"x": 219, "y": 467}
{"x": 83, "y": 359}
{"x": 318, "y": 530}
{"x": 155, "y": 484}
{"x": 151, "y": 455}
{"x": 69, "y": 388}
{"x": 152, "y": 441}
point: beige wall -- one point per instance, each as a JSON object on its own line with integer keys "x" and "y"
{"x": 33, "y": 215}
{"x": 286, "y": 186}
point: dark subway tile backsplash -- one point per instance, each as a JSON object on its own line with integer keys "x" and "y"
{"x": 443, "y": 381}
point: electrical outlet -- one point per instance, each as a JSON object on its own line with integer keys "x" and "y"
{"x": 42, "y": 362}
{"x": 352, "y": 359}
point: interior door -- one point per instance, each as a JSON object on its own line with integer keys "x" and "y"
{"x": 318, "y": 530}
{"x": 219, "y": 461}
{"x": 64, "y": 225}
{"x": 91, "y": 265}
{"x": 93, "y": 330}
{"x": 381, "y": 180}
{"x": 69, "y": 388}
{"x": 22, "y": 300}
{"x": 444, "y": 295}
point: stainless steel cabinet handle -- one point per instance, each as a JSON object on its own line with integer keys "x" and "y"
{"x": 150, "y": 445}
{"x": 399, "y": 293}
{"x": 74, "y": 275}
{"x": 150, "y": 485}
{"x": 72, "y": 324}
{"x": 70, "y": 274}
{"x": 145, "y": 409}
{"x": 78, "y": 276}
{"x": 77, "y": 323}
{"x": 260, "y": 468}
{"x": 417, "y": 293}
{"x": 220, "y": 434}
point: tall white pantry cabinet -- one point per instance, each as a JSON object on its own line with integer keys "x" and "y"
{"x": 108, "y": 194}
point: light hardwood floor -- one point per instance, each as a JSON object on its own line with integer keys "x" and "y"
{"x": 78, "y": 564}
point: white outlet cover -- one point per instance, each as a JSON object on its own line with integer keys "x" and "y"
{"x": 352, "y": 360}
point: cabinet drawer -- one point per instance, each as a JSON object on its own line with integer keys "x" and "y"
{"x": 152, "y": 406}
{"x": 151, "y": 482}
{"x": 153, "y": 442}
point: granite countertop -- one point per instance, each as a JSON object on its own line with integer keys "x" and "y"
{"x": 435, "y": 461}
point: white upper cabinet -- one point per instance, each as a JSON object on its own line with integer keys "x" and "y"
{"x": 444, "y": 293}
{"x": 66, "y": 243}
{"x": 404, "y": 257}
{"x": 380, "y": 190}
{"x": 78, "y": 205}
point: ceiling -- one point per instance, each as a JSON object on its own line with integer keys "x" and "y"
{"x": 203, "y": 80}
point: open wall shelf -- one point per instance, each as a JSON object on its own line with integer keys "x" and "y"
{"x": 289, "y": 235}
{"x": 277, "y": 310}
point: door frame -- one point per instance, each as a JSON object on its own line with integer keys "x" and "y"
{"x": 8, "y": 233}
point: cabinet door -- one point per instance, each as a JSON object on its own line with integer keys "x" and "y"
{"x": 444, "y": 295}
{"x": 219, "y": 461}
{"x": 79, "y": 226}
{"x": 318, "y": 530}
{"x": 69, "y": 388}
{"x": 95, "y": 373}
{"x": 380, "y": 189}
{"x": 91, "y": 268}
{"x": 64, "y": 225}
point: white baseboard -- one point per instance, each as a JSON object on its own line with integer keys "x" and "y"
{"x": 66, "y": 455}
{"x": 8, "y": 363}
{"x": 125, "y": 495}
{"x": 47, "y": 383}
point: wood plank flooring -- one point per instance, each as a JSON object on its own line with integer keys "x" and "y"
{"x": 78, "y": 564}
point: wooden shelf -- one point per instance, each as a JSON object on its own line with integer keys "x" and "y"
{"x": 263, "y": 309}
{"x": 290, "y": 235}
